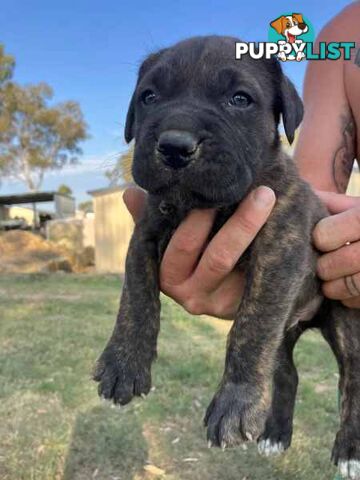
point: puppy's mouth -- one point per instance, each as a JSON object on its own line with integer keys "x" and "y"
{"x": 291, "y": 38}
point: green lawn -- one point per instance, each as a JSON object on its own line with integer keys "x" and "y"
{"x": 53, "y": 426}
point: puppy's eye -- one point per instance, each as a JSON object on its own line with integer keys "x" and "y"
{"x": 241, "y": 99}
{"x": 148, "y": 97}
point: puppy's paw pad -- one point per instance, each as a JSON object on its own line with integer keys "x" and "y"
{"x": 349, "y": 469}
{"x": 269, "y": 448}
{"x": 120, "y": 378}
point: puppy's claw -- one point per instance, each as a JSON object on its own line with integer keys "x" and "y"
{"x": 209, "y": 444}
{"x": 249, "y": 436}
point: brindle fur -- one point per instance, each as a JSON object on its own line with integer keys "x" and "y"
{"x": 282, "y": 298}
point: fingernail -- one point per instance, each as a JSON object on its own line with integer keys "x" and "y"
{"x": 264, "y": 196}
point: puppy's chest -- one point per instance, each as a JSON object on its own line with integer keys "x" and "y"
{"x": 169, "y": 218}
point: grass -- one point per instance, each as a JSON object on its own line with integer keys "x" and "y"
{"x": 53, "y": 426}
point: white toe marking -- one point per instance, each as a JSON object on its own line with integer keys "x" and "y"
{"x": 354, "y": 469}
{"x": 268, "y": 448}
{"x": 349, "y": 469}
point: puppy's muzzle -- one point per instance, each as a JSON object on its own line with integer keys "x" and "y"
{"x": 177, "y": 147}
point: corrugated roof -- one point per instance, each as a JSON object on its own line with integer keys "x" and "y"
{"x": 106, "y": 190}
{"x": 30, "y": 197}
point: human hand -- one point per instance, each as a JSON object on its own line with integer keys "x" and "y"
{"x": 204, "y": 280}
{"x": 339, "y": 267}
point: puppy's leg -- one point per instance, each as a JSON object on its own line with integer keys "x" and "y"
{"x": 279, "y": 423}
{"x": 239, "y": 408}
{"x": 124, "y": 368}
{"x": 342, "y": 331}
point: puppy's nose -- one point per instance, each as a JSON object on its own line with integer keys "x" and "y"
{"x": 302, "y": 26}
{"x": 177, "y": 147}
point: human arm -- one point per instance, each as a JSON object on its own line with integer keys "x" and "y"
{"x": 325, "y": 155}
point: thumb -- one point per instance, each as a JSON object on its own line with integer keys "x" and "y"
{"x": 337, "y": 202}
{"x": 135, "y": 201}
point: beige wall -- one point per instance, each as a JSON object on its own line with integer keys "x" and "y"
{"x": 89, "y": 231}
{"x": 4, "y": 212}
{"x": 113, "y": 229}
{"x": 22, "y": 212}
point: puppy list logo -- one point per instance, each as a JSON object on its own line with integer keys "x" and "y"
{"x": 291, "y": 38}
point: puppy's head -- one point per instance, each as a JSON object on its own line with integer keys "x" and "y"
{"x": 290, "y": 26}
{"x": 205, "y": 123}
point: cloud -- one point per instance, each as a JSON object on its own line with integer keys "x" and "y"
{"x": 87, "y": 164}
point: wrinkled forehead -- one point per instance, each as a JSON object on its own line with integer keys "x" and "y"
{"x": 210, "y": 65}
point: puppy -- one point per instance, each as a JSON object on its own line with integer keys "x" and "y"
{"x": 206, "y": 131}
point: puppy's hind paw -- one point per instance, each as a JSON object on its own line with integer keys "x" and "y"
{"x": 120, "y": 377}
{"x": 277, "y": 436}
{"x": 269, "y": 448}
{"x": 349, "y": 469}
{"x": 234, "y": 416}
{"x": 346, "y": 454}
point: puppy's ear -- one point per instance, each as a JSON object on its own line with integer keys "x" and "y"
{"x": 292, "y": 109}
{"x": 298, "y": 17}
{"x": 130, "y": 120}
{"x": 150, "y": 61}
{"x": 277, "y": 24}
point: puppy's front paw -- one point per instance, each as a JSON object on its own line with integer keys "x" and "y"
{"x": 122, "y": 374}
{"x": 277, "y": 436}
{"x": 236, "y": 414}
{"x": 346, "y": 453}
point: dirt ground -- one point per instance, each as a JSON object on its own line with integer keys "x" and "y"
{"x": 26, "y": 252}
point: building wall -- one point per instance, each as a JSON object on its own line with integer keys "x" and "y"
{"x": 89, "y": 230}
{"x": 113, "y": 229}
{"x": 26, "y": 213}
{"x": 4, "y": 212}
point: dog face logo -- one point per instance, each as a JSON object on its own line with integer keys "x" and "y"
{"x": 290, "y": 27}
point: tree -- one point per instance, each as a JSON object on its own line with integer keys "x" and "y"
{"x": 121, "y": 171}
{"x": 7, "y": 64}
{"x": 35, "y": 137}
{"x": 86, "y": 206}
{"x": 64, "y": 190}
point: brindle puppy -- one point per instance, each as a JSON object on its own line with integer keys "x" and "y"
{"x": 206, "y": 133}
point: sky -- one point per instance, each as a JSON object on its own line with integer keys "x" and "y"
{"x": 89, "y": 51}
